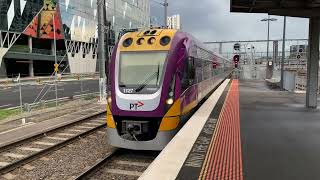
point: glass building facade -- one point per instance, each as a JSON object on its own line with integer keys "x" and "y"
{"x": 29, "y": 26}
{"x": 80, "y": 16}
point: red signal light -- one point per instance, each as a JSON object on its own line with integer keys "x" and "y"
{"x": 214, "y": 65}
{"x": 236, "y": 58}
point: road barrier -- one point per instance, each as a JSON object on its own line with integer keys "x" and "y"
{"x": 41, "y": 80}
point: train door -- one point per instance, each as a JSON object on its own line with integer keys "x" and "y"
{"x": 189, "y": 97}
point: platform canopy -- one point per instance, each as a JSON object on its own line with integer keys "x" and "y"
{"x": 295, "y": 8}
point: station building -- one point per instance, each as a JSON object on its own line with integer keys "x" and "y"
{"x": 28, "y": 29}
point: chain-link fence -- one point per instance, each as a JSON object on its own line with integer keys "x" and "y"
{"x": 254, "y": 59}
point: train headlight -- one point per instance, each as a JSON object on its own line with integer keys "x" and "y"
{"x": 169, "y": 101}
{"x": 109, "y": 100}
{"x": 165, "y": 40}
{"x": 140, "y": 41}
{"x": 152, "y": 40}
{"x": 127, "y": 42}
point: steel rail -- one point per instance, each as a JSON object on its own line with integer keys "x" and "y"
{"x": 43, "y": 133}
{"x": 94, "y": 168}
{"x": 34, "y": 156}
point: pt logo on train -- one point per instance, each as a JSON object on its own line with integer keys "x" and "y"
{"x": 135, "y": 106}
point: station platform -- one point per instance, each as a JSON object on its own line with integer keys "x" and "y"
{"x": 244, "y": 131}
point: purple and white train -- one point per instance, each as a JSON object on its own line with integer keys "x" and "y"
{"x": 157, "y": 79}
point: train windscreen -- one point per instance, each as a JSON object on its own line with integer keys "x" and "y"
{"x": 141, "y": 72}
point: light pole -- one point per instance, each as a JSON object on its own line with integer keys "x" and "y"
{"x": 55, "y": 60}
{"x": 166, "y": 13}
{"x": 283, "y": 51}
{"x": 165, "y": 4}
{"x": 268, "y": 39}
{"x": 102, "y": 49}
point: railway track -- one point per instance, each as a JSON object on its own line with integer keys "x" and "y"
{"x": 21, "y": 152}
{"x": 120, "y": 164}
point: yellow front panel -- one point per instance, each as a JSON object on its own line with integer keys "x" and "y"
{"x": 169, "y": 123}
{"x": 146, "y": 46}
{"x": 172, "y": 118}
{"x": 110, "y": 121}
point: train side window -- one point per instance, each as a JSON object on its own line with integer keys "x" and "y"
{"x": 191, "y": 70}
{"x": 188, "y": 74}
{"x": 185, "y": 80}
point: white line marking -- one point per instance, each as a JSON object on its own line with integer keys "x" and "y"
{"x": 13, "y": 155}
{"x": 28, "y": 124}
{"x": 7, "y": 105}
{"x": 44, "y": 143}
{"x": 133, "y": 163}
{"x": 30, "y": 149}
{"x": 57, "y": 138}
{"x": 124, "y": 172}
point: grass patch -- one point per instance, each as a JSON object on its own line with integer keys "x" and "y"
{"x": 52, "y": 104}
{"x": 90, "y": 97}
{"x": 5, "y": 113}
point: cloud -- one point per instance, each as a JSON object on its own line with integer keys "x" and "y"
{"x": 211, "y": 20}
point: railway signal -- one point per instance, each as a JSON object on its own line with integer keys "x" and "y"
{"x": 214, "y": 65}
{"x": 236, "y": 59}
{"x": 298, "y": 56}
{"x": 237, "y": 47}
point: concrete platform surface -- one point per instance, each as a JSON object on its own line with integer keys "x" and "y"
{"x": 280, "y": 137}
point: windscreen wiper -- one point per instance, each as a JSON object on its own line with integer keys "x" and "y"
{"x": 150, "y": 78}
{"x": 145, "y": 83}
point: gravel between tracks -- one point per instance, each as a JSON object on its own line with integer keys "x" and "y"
{"x": 69, "y": 161}
{"x": 44, "y": 114}
{"x": 129, "y": 156}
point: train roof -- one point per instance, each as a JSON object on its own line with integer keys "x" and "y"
{"x": 159, "y": 39}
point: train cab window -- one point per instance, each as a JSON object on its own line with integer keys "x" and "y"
{"x": 141, "y": 72}
{"x": 188, "y": 74}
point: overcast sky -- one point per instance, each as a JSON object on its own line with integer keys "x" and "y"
{"x": 211, "y": 20}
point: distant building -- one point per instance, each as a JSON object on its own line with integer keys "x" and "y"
{"x": 174, "y": 22}
{"x": 28, "y": 29}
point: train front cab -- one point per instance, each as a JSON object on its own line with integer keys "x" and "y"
{"x": 163, "y": 125}
{"x": 190, "y": 90}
